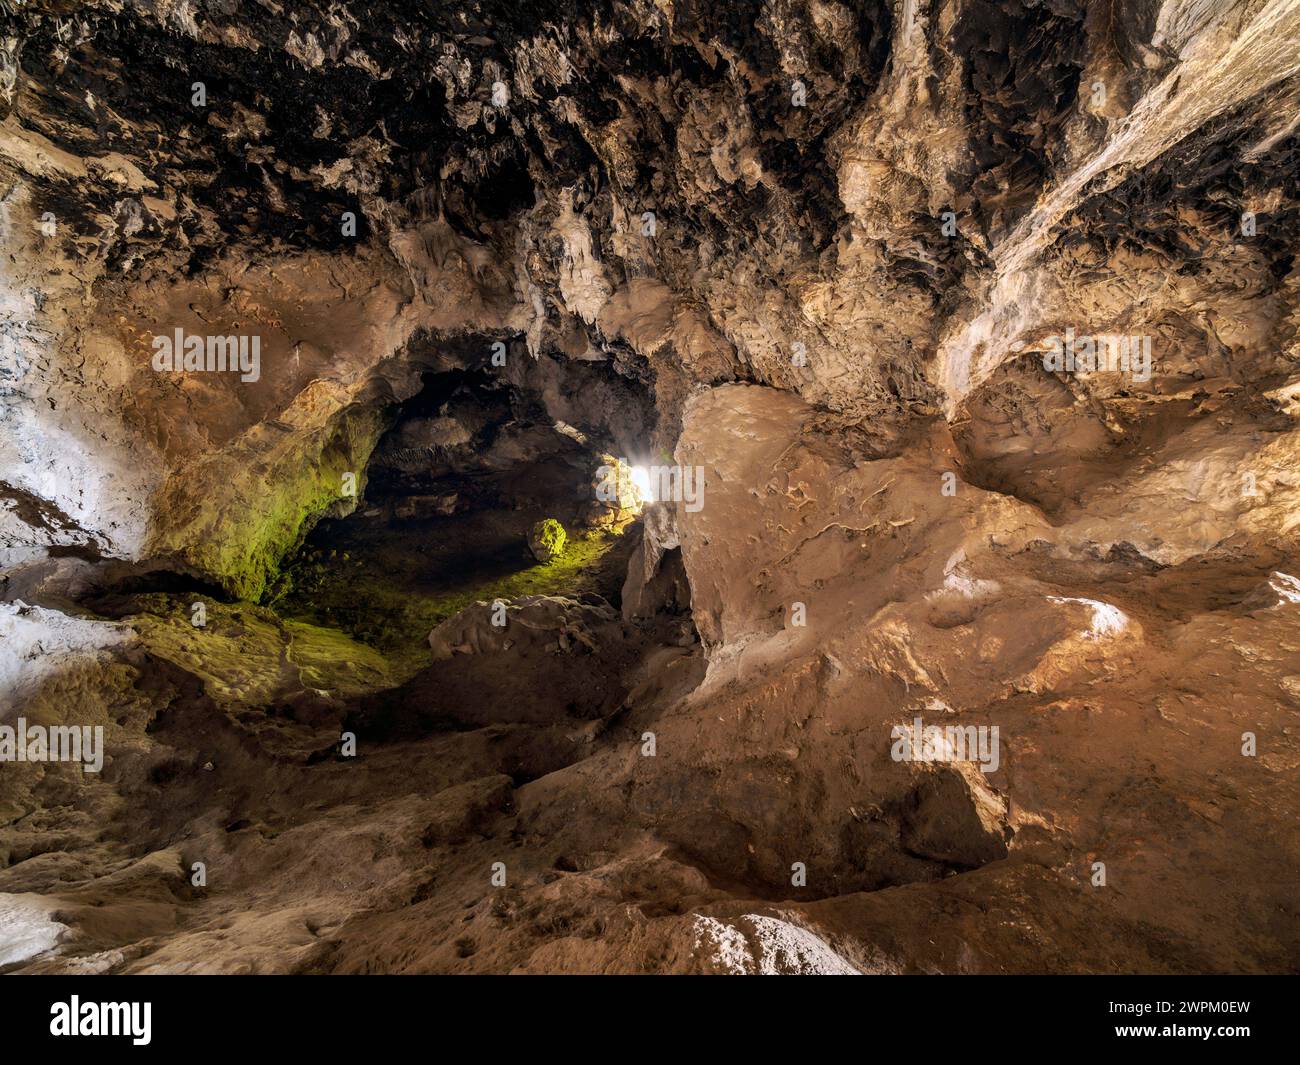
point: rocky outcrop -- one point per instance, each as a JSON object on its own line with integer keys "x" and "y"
{"x": 534, "y": 623}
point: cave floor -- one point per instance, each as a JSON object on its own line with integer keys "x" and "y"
{"x": 387, "y": 583}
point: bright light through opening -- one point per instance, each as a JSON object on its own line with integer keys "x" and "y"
{"x": 641, "y": 482}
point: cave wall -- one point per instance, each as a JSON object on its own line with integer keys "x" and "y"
{"x": 831, "y": 240}
{"x": 800, "y": 247}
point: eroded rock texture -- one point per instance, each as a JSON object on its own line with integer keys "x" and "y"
{"x": 825, "y": 256}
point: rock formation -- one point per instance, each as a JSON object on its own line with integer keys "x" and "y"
{"x": 954, "y": 346}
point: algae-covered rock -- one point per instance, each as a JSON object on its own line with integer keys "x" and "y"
{"x": 244, "y": 509}
{"x": 546, "y": 540}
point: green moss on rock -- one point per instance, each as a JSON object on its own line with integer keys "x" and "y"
{"x": 376, "y": 600}
{"x": 546, "y": 540}
{"x": 237, "y": 516}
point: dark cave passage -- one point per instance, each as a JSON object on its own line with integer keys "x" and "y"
{"x": 469, "y": 468}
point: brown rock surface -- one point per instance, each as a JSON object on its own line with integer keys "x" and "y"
{"x": 961, "y": 660}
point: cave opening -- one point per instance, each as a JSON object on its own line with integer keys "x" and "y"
{"x": 459, "y": 504}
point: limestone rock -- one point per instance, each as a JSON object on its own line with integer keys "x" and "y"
{"x": 546, "y": 540}
{"x": 538, "y": 622}
{"x": 978, "y": 321}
